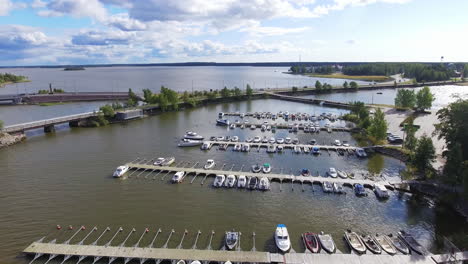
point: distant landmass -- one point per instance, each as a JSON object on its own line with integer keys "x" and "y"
{"x": 74, "y": 68}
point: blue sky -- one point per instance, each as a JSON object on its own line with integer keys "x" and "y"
{"x": 48, "y": 32}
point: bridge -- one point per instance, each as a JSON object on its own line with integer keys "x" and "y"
{"x": 309, "y": 100}
{"x": 10, "y": 99}
{"x": 48, "y": 124}
{"x": 63, "y": 97}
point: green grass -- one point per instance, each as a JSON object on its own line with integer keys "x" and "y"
{"x": 369, "y": 78}
{"x": 50, "y": 104}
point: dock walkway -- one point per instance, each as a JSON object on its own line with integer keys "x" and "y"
{"x": 285, "y": 146}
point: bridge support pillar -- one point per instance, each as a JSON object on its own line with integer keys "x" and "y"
{"x": 49, "y": 129}
{"x": 74, "y": 123}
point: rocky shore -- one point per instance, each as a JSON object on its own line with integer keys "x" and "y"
{"x": 8, "y": 140}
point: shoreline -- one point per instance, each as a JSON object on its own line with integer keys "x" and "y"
{"x": 364, "y": 78}
{"x": 9, "y": 83}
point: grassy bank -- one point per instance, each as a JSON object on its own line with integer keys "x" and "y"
{"x": 50, "y": 104}
{"x": 2, "y": 84}
{"x": 368, "y": 78}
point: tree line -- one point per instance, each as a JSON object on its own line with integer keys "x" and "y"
{"x": 408, "y": 98}
{"x": 11, "y": 78}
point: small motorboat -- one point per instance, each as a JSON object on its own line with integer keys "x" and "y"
{"x": 168, "y": 161}
{"x": 306, "y": 149}
{"x": 315, "y": 150}
{"x": 411, "y": 242}
{"x": 230, "y": 181}
{"x": 235, "y": 139}
{"x": 189, "y": 143}
{"x": 121, "y": 170}
{"x": 279, "y": 148}
{"x": 253, "y": 127}
{"x": 342, "y": 174}
{"x": 385, "y": 243}
{"x": 361, "y": 153}
{"x": 332, "y": 173}
{"x": 209, "y": 164}
{"x": 263, "y": 128}
{"x": 220, "y": 114}
{"x": 371, "y": 244}
{"x": 352, "y": 175}
{"x": 231, "y": 239}
{"x": 326, "y": 242}
{"x": 355, "y": 242}
{"x": 265, "y": 140}
{"x": 337, "y": 142}
{"x": 195, "y": 262}
{"x": 193, "y": 136}
{"x": 311, "y": 242}
{"x": 399, "y": 244}
{"x": 237, "y": 147}
{"x": 181, "y": 261}
{"x": 232, "y": 126}
{"x": 297, "y": 149}
{"x": 282, "y": 238}
{"x": 306, "y": 129}
{"x": 242, "y": 181}
{"x": 219, "y": 180}
{"x": 287, "y": 140}
{"x": 248, "y": 140}
{"x": 257, "y": 139}
{"x": 340, "y": 151}
{"x": 245, "y": 148}
{"x": 206, "y": 145}
{"x": 223, "y": 146}
{"x": 222, "y": 122}
{"x": 252, "y": 183}
{"x": 271, "y": 149}
{"x": 264, "y": 184}
{"x": 295, "y": 141}
{"x": 272, "y": 140}
{"x": 280, "y": 140}
{"x": 256, "y": 168}
{"x": 178, "y": 177}
{"x": 327, "y": 187}
{"x": 359, "y": 190}
{"x": 381, "y": 191}
{"x": 159, "y": 161}
{"x": 338, "y": 188}
{"x": 220, "y": 138}
{"x": 305, "y": 172}
{"x": 266, "y": 168}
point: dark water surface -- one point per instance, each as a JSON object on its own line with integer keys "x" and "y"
{"x": 65, "y": 178}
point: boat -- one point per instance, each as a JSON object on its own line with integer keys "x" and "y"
{"x": 271, "y": 149}
{"x": 352, "y": 175}
{"x": 264, "y": 184}
{"x": 282, "y": 238}
{"x": 242, "y": 126}
{"x": 231, "y": 239}
{"x": 280, "y": 140}
{"x": 222, "y": 122}
{"x": 272, "y": 140}
{"x": 168, "y": 161}
{"x": 326, "y": 242}
{"x": 295, "y": 141}
{"x": 332, "y": 173}
{"x": 380, "y": 191}
{"x": 230, "y": 181}
{"x": 121, "y": 170}
{"x": 189, "y": 143}
{"x": 237, "y": 147}
{"x": 279, "y": 148}
{"x": 342, "y": 174}
{"x": 311, "y": 242}
{"x": 411, "y": 242}
{"x": 253, "y": 127}
{"x": 337, "y": 142}
{"x": 221, "y": 138}
{"x": 340, "y": 151}
{"x": 268, "y": 127}
{"x": 256, "y": 168}
{"x": 249, "y": 140}
{"x": 245, "y": 148}
{"x": 305, "y": 172}
{"x": 315, "y": 150}
{"x": 361, "y": 153}
{"x": 359, "y": 190}
{"x": 355, "y": 242}
{"x": 297, "y": 149}
{"x": 385, "y": 244}
{"x": 219, "y": 180}
{"x": 327, "y": 187}
{"x": 242, "y": 115}
{"x": 287, "y": 140}
{"x": 312, "y": 129}
{"x": 242, "y": 181}
{"x": 195, "y": 262}
{"x": 338, "y": 188}
{"x": 178, "y": 177}
{"x": 209, "y": 164}
{"x": 159, "y": 161}
{"x": 206, "y": 145}
{"x": 266, "y": 168}
{"x": 181, "y": 261}
{"x": 192, "y": 135}
{"x": 223, "y": 146}
{"x": 370, "y": 243}
{"x": 257, "y": 139}
{"x": 252, "y": 183}
{"x": 232, "y": 126}
{"x": 329, "y": 130}
{"x": 235, "y": 139}
{"x": 399, "y": 244}
{"x": 265, "y": 140}
{"x": 306, "y": 129}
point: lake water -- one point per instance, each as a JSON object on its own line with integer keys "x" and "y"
{"x": 65, "y": 178}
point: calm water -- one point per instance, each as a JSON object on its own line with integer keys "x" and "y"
{"x": 65, "y": 178}
{"x": 138, "y": 78}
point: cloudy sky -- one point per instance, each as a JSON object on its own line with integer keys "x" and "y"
{"x": 47, "y": 32}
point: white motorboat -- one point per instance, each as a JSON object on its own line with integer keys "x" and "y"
{"x": 327, "y": 187}
{"x": 252, "y": 183}
{"x": 266, "y": 168}
{"x": 178, "y": 177}
{"x": 195, "y": 262}
{"x": 235, "y": 139}
{"x": 245, "y": 148}
{"x": 338, "y": 188}
{"x": 231, "y": 240}
{"x": 268, "y": 127}
{"x": 381, "y": 191}
{"x": 337, "y": 142}
{"x": 242, "y": 181}
{"x": 220, "y": 138}
{"x": 265, "y": 140}
{"x": 306, "y": 129}
{"x": 280, "y": 140}
{"x": 242, "y": 126}
{"x": 272, "y": 140}
{"x": 168, "y": 161}
{"x": 232, "y": 126}
{"x": 248, "y": 140}
{"x": 242, "y": 115}
{"x": 297, "y": 149}
{"x": 361, "y": 153}
{"x": 256, "y": 168}
{"x": 209, "y": 164}
{"x": 282, "y": 238}
{"x": 206, "y": 145}
{"x": 257, "y": 139}
{"x": 327, "y": 242}
{"x": 189, "y": 143}
{"x": 222, "y": 122}
{"x": 237, "y": 147}
{"x": 193, "y": 136}
{"x": 306, "y": 149}
{"x": 263, "y": 128}
{"x": 264, "y": 184}
{"x": 279, "y": 148}
{"x": 295, "y": 141}
{"x": 287, "y": 140}
{"x": 332, "y": 173}
{"x": 181, "y": 262}
{"x": 159, "y": 161}
{"x": 253, "y": 127}
{"x": 121, "y": 170}
{"x": 271, "y": 149}
{"x": 342, "y": 174}
{"x": 220, "y": 114}
{"x": 219, "y": 180}
{"x": 230, "y": 181}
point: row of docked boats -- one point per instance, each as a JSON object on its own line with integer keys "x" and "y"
{"x": 265, "y": 168}
{"x": 121, "y": 170}
{"x": 191, "y": 139}
{"x": 285, "y": 115}
{"x": 403, "y": 243}
{"x": 252, "y": 183}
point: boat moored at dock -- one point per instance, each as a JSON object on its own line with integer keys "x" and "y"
{"x": 219, "y": 180}
{"x": 311, "y": 242}
{"x": 282, "y": 238}
{"x": 355, "y": 242}
{"x": 121, "y": 170}
{"x": 231, "y": 239}
{"x": 326, "y": 242}
{"x": 178, "y": 177}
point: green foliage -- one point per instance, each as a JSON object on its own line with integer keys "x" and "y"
{"x": 378, "y": 126}
{"x": 171, "y": 96}
{"x": 465, "y": 72}
{"x": 117, "y": 106}
{"x": 327, "y": 87}
{"x": 211, "y": 95}
{"x": 108, "y": 111}
{"x": 133, "y": 96}
{"x": 405, "y": 98}
{"x": 131, "y": 103}
{"x": 424, "y": 98}
{"x": 11, "y": 78}
{"x": 1, "y": 124}
{"x": 410, "y": 139}
{"x": 58, "y": 90}
{"x": 249, "y": 91}
{"x": 163, "y": 102}
{"x": 43, "y": 92}
{"x": 424, "y": 154}
{"x": 237, "y": 92}
{"x": 299, "y": 69}
{"x": 294, "y": 89}
{"x": 346, "y": 85}
{"x": 353, "y": 85}
{"x": 395, "y": 84}
{"x": 361, "y": 113}
{"x": 225, "y": 92}
{"x": 318, "y": 85}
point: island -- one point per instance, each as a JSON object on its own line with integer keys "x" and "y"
{"x": 74, "y": 68}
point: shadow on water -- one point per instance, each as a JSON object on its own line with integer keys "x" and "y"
{"x": 375, "y": 164}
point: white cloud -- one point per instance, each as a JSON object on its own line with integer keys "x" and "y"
{"x": 38, "y": 4}
{"x": 76, "y": 8}
{"x": 102, "y": 38}
{"x": 257, "y": 30}
{"x": 5, "y": 7}
{"x": 125, "y": 23}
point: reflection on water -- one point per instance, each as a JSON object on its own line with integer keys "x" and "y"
{"x": 375, "y": 164}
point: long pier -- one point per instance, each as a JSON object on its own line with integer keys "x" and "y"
{"x": 47, "y": 124}
{"x": 285, "y": 146}
{"x": 285, "y": 125}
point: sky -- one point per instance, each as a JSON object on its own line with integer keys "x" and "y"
{"x": 58, "y": 32}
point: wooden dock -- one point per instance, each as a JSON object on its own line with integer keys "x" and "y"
{"x": 254, "y": 145}
{"x": 287, "y": 125}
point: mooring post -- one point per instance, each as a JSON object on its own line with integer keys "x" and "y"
{"x": 253, "y": 239}
{"x": 168, "y": 238}
{"x": 196, "y": 240}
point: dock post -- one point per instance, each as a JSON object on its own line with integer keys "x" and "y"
{"x": 49, "y": 129}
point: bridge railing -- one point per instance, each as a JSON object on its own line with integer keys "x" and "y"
{"x": 46, "y": 122}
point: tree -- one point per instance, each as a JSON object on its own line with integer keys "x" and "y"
{"x": 185, "y": 97}
{"x": 354, "y": 85}
{"x": 378, "y": 126}
{"x": 465, "y": 72}
{"x": 318, "y": 85}
{"x": 108, "y": 111}
{"x": 424, "y": 98}
{"x": 294, "y": 89}
{"x": 133, "y": 96}
{"x": 147, "y": 95}
{"x": 237, "y": 92}
{"x": 1, "y": 124}
{"x": 163, "y": 102}
{"x": 410, "y": 139}
{"x": 424, "y": 154}
{"x": 225, "y": 92}
{"x": 405, "y": 98}
{"x": 346, "y": 85}
{"x": 249, "y": 91}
